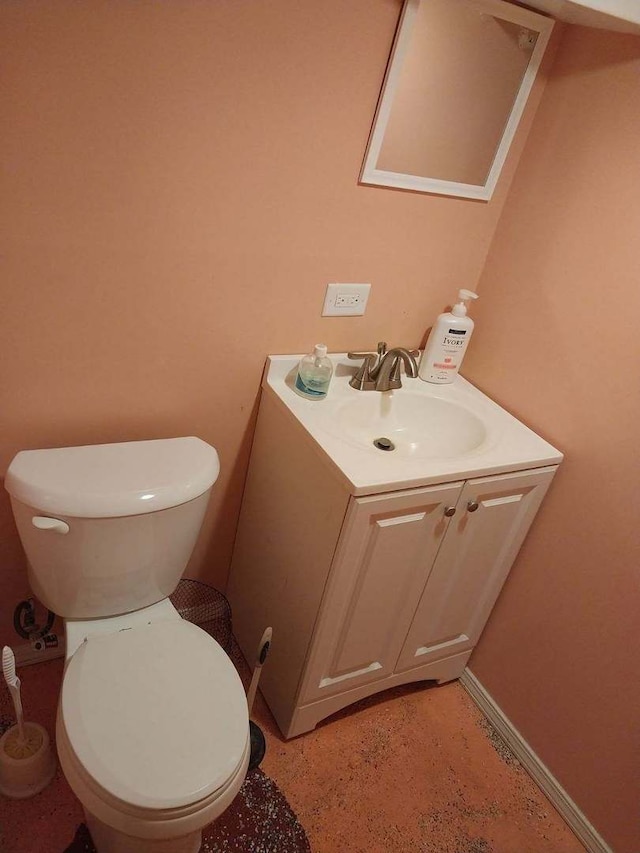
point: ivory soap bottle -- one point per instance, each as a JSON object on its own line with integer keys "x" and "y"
{"x": 447, "y": 343}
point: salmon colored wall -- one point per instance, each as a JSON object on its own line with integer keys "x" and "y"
{"x": 180, "y": 185}
{"x": 557, "y": 342}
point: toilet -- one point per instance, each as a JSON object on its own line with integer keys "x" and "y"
{"x": 152, "y": 727}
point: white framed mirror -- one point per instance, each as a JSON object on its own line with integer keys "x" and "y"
{"x": 456, "y": 86}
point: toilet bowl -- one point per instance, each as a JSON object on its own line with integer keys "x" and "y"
{"x": 152, "y": 730}
{"x": 152, "y": 726}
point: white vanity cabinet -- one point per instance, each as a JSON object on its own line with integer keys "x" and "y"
{"x": 412, "y": 583}
{"x": 364, "y": 592}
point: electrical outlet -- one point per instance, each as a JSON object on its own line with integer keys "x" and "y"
{"x": 345, "y": 300}
{"x": 39, "y": 650}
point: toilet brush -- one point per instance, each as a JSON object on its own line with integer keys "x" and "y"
{"x": 13, "y": 683}
{"x": 258, "y": 743}
{"x": 27, "y": 764}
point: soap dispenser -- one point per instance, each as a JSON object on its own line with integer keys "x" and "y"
{"x": 447, "y": 342}
{"x": 314, "y": 374}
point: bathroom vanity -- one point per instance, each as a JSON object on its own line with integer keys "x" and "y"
{"x": 376, "y": 567}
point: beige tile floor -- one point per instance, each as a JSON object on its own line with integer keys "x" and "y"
{"x": 417, "y": 769}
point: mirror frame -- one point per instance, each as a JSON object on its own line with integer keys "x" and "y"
{"x": 378, "y": 177}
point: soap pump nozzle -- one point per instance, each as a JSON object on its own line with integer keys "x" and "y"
{"x": 460, "y": 308}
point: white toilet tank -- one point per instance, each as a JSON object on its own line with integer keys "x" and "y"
{"x": 109, "y": 528}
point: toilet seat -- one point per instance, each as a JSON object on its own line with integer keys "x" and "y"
{"x": 154, "y": 719}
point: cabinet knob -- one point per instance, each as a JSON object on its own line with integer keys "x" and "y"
{"x": 449, "y": 511}
{"x": 472, "y": 506}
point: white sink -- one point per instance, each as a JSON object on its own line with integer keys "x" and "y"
{"x": 414, "y": 424}
{"x": 439, "y": 433}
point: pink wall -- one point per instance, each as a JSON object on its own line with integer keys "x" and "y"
{"x": 557, "y": 342}
{"x": 180, "y": 186}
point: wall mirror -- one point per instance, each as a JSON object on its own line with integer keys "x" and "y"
{"x": 455, "y": 89}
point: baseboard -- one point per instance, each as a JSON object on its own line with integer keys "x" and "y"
{"x": 541, "y": 775}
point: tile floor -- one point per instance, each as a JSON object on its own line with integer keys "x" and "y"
{"x": 416, "y": 769}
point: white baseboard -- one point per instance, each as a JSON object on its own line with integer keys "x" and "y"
{"x": 541, "y": 775}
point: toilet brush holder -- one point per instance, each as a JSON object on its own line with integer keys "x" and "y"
{"x": 26, "y": 765}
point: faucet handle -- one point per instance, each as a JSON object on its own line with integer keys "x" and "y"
{"x": 411, "y": 364}
{"x": 365, "y": 355}
{"x": 362, "y": 380}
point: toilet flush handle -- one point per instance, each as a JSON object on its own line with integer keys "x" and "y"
{"x": 55, "y": 524}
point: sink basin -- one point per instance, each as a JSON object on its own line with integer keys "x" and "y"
{"x": 439, "y": 433}
{"x": 415, "y": 424}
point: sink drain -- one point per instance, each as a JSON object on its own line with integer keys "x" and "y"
{"x": 384, "y": 444}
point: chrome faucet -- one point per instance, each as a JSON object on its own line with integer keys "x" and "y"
{"x": 381, "y": 371}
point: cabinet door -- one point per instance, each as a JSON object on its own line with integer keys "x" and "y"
{"x": 386, "y": 549}
{"x": 492, "y": 518}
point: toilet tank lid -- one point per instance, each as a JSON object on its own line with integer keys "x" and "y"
{"x": 113, "y": 480}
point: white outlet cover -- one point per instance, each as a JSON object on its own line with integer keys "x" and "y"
{"x": 355, "y": 295}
